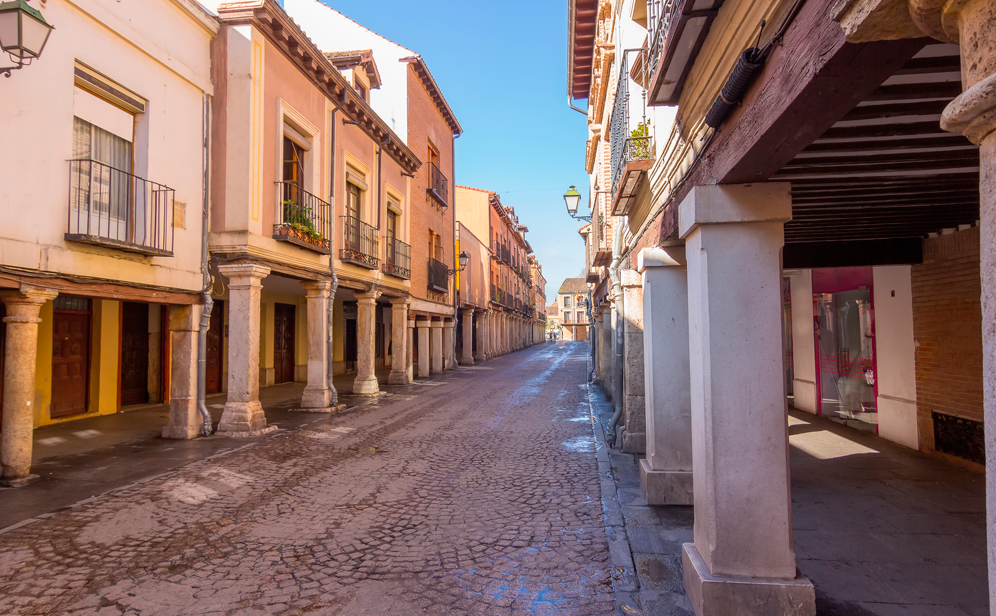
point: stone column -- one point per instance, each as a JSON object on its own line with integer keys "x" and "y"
{"x": 742, "y": 561}
{"x": 317, "y": 394}
{"x": 423, "y": 348}
{"x": 185, "y": 420}
{"x": 449, "y": 345}
{"x": 21, "y": 354}
{"x": 610, "y": 351}
{"x": 399, "y": 341}
{"x": 666, "y": 473}
{"x": 436, "y": 347}
{"x": 481, "y": 334}
{"x": 410, "y": 352}
{"x": 243, "y": 414}
{"x": 633, "y": 436}
{"x": 365, "y": 383}
{"x": 467, "y": 357}
{"x": 599, "y": 347}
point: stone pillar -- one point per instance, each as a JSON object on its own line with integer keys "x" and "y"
{"x": 436, "y": 329}
{"x": 21, "y": 354}
{"x": 365, "y": 383}
{"x": 399, "y": 341}
{"x": 449, "y": 345}
{"x": 410, "y": 352}
{"x": 243, "y": 414}
{"x": 480, "y": 317}
{"x": 185, "y": 420}
{"x": 423, "y": 348}
{"x": 467, "y": 314}
{"x": 317, "y": 394}
{"x": 742, "y": 561}
{"x": 599, "y": 346}
{"x": 633, "y": 436}
{"x": 666, "y": 473}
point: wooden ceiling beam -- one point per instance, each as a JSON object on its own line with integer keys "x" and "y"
{"x": 916, "y": 91}
{"x": 903, "y": 129}
{"x": 961, "y": 152}
{"x": 943, "y": 140}
{"x": 895, "y": 110}
{"x": 937, "y": 64}
{"x": 884, "y": 167}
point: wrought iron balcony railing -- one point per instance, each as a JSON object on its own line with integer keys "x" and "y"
{"x": 302, "y": 218}
{"x": 439, "y": 186}
{"x": 660, "y": 14}
{"x": 114, "y": 208}
{"x": 627, "y": 142}
{"x": 398, "y": 259}
{"x": 439, "y": 276}
{"x": 360, "y": 244}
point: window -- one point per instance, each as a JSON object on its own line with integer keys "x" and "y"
{"x": 353, "y": 200}
{"x": 567, "y": 301}
{"x": 433, "y": 155}
{"x": 581, "y": 318}
{"x": 392, "y": 235}
{"x": 109, "y": 190}
{"x": 362, "y": 92}
{"x": 435, "y": 246}
{"x": 567, "y": 316}
{"x": 293, "y": 163}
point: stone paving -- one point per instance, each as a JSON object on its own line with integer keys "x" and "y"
{"x": 474, "y": 493}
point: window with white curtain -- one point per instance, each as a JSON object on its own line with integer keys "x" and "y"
{"x": 107, "y": 182}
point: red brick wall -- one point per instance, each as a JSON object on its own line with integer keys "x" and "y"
{"x": 426, "y": 124}
{"x": 947, "y": 327}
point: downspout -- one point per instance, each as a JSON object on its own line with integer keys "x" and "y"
{"x": 617, "y": 367}
{"x": 570, "y": 104}
{"x": 208, "y": 303}
{"x": 329, "y": 347}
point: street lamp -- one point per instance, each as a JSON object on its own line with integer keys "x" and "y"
{"x": 23, "y": 33}
{"x": 464, "y": 259}
{"x": 573, "y": 199}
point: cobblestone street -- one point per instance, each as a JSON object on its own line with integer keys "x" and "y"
{"x": 473, "y": 493}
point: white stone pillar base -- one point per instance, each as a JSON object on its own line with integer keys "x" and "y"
{"x": 366, "y": 386}
{"x": 316, "y": 398}
{"x": 243, "y": 419}
{"x": 665, "y": 487}
{"x": 724, "y": 596}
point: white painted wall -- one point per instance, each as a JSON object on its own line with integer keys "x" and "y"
{"x": 803, "y": 341}
{"x": 160, "y": 49}
{"x": 894, "y": 350}
{"x": 333, "y": 31}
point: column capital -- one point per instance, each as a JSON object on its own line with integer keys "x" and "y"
{"x": 449, "y": 324}
{"x": 316, "y": 288}
{"x": 734, "y": 203}
{"x": 973, "y": 112}
{"x": 368, "y": 298}
{"x": 241, "y": 275}
{"x": 423, "y": 323}
{"x": 400, "y": 301}
{"x": 660, "y": 256}
{"x": 436, "y": 324}
{"x": 467, "y": 311}
{"x": 28, "y": 295}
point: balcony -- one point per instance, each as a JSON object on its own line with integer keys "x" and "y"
{"x": 302, "y": 219}
{"x": 631, "y": 147}
{"x": 398, "y": 259}
{"x": 675, "y": 33}
{"x": 360, "y": 244}
{"x": 114, "y": 208}
{"x": 439, "y": 186}
{"x": 439, "y": 276}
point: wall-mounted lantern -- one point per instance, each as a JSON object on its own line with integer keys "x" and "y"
{"x": 23, "y": 33}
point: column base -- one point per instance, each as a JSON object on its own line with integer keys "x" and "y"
{"x": 366, "y": 386}
{"x": 17, "y": 482}
{"x": 665, "y": 487}
{"x": 185, "y": 420}
{"x": 467, "y": 361}
{"x": 398, "y": 378}
{"x": 479, "y": 358}
{"x": 317, "y": 398}
{"x": 243, "y": 419}
{"x": 721, "y": 595}
{"x": 328, "y": 409}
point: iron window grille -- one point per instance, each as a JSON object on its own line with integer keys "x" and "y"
{"x": 360, "y": 243}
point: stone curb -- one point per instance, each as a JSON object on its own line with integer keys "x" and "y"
{"x": 625, "y": 586}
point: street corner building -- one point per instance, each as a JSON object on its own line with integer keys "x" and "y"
{"x": 792, "y": 206}
{"x": 277, "y": 203}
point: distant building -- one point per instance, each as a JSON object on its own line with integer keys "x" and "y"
{"x": 573, "y": 318}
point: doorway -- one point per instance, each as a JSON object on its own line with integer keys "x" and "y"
{"x": 3, "y": 352}
{"x": 134, "y": 353}
{"x": 70, "y": 356}
{"x": 283, "y": 343}
{"x": 349, "y": 349}
{"x": 213, "y": 356}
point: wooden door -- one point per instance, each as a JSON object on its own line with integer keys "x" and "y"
{"x": 3, "y": 352}
{"x": 215, "y": 345}
{"x": 283, "y": 343}
{"x": 134, "y": 353}
{"x": 70, "y": 363}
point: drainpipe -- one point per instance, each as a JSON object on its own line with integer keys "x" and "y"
{"x": 617, "y": 368}
{"x": 329, "y": 347}
{"x": 208, "y": 303}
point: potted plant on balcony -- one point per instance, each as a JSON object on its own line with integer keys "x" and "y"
{"x": 639, "y": 143}
{"x": 299, "y": 228}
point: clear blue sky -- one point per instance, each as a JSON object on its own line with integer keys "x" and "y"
{"x": 503, "y": 69}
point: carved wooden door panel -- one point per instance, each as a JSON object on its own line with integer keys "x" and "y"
{"x": 70, "y": 363}
{"x": 215, "y": 337}
{"x": 283, "y": 343}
